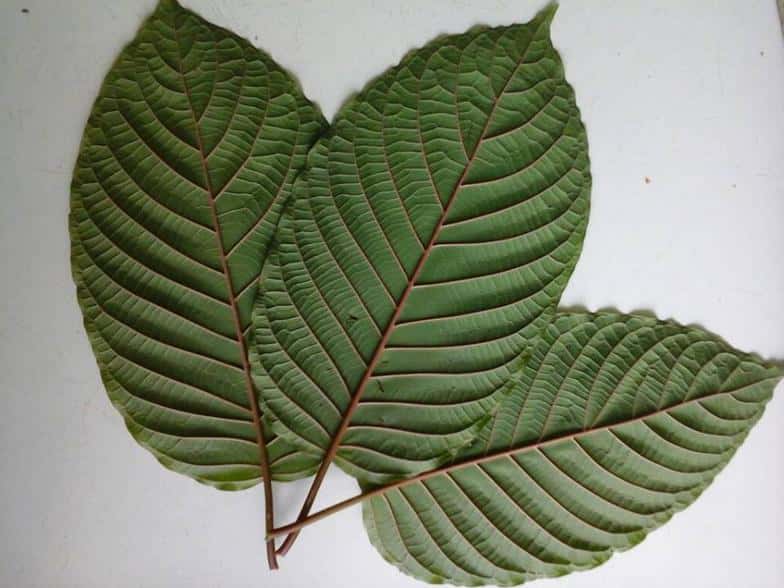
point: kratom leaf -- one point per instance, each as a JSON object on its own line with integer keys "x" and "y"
{"x": 186, "y": 161}
{"x": 431, "y": 231}
{"x": 617, "y": 423}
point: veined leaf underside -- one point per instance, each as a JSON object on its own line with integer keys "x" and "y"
{"x": 186, "y": 161}
{"x": 618, "y": 422}
{"x": 430, "y": 235}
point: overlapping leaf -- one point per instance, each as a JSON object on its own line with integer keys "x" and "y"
{"x": 619, "y": 422}
{"x": 407, "y": 313}
{"x": 185, "y": 164}
{"x": 432, "y": 230}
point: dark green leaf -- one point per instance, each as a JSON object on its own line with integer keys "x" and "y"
{"x": 186, "y": 161}
{"x": 431, "y": 232}
{"x": 617, "y": 422}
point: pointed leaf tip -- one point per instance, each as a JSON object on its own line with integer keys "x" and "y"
{"x": 546, "y": 14}
{"x": 168, "y": 6}
{"x": 165, "y": 7}
{"x": 779, "y": 365}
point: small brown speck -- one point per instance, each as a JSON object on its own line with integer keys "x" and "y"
{"x": 647, "y": 180}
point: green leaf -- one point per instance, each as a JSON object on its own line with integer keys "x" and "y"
{"x": 617, "y": 423}
{"x": 186, "y": 161}
{"x": 432, "y": 230}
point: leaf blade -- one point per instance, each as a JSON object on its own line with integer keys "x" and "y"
{"x": 550, "y": 496}
{"x": 165, "y": 262}
{"x": 363, "y": 303}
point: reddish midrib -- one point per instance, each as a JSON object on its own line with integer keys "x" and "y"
{"x": 510, "y": 452}
{"x": 335, "y": 444}
{"x": 344, "y": 423}
{"x": 252, "y": 399}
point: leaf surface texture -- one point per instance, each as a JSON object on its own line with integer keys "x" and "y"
{"x": 186, "y": 161}
{"x": 432, "y": 230}
{"x": 618, "y": 422}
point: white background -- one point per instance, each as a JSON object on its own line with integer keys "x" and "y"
{"x": 689, "y": 94}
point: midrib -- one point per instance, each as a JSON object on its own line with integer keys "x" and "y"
{"x": 344, "y": 423}
{"x": 252, "y": 398}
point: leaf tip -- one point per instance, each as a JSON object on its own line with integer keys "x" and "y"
{"x": 778, "y": 365}
{"x": 547, "y": 14}
{"x": 167, "y": 5}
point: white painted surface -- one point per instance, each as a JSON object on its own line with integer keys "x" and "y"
{"x": 688, "y": 94}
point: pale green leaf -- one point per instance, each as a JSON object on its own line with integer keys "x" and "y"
{"x": 186, "y": 161}
{"x": 616, "y": 423}
{"x": 432, "y": 230}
